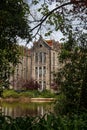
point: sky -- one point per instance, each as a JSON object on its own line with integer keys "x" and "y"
{"x": 57, "y": 36}
{"x": 54, "y": 35}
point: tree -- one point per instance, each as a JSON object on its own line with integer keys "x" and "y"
{"x": 72, "y": 76}
{"x": 13, "y": 24}
{"x": 66, "y": 15}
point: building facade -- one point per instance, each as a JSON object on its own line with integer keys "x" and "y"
{"x": 21, "y": 70}
{"x": 39, "y": 63}
{"x": 44, "y": 61}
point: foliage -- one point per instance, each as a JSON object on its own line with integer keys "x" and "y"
{"x": 10, "y": 93}
{"x": 73, "y": 74}
{"x": 64, "y": 15}
{"x": 17, "y": 23}
{"x": 28, "y": 93}
{"x": 46, "y": 122}
{"x": 31, "y": 85}
{"x": 47, "y": 94}
{"x": 13, "y": 24}
{"x": 6, "y": 59}
{"x": 54, "y": 86}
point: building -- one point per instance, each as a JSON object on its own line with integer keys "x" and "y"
{"x": 44, "y": 61}
{"x": 38, "y": 63}
{"x": 22, "y": 69}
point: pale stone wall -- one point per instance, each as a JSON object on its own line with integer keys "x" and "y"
{"x": 40, "y": 71}
{"x": 22, "y": 70}
{"x": 51, "y": 61}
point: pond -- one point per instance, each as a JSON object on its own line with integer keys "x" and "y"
{"x": 17, "y": 109}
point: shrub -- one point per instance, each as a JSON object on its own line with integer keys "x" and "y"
{"x": 10, "y": 93}
{"x": 28, "y": 93}
{"x": 47, "y": 94}
{"x": 31, "y": 85}
{"x": 46, "y": 122}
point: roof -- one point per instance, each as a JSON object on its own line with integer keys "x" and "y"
{"x": 49, "y": 42}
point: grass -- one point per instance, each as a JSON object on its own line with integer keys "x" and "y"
{"x": 31, "y": 94}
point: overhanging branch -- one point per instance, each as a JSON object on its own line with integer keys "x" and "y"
{"x": 48, "y": 14}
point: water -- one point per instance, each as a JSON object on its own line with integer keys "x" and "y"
{"x": 16, "y": 109}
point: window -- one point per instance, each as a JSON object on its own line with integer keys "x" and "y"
{"x": 36, "y": 57}
{"x": 40, "y": 82}
{"x": 44, "y": 84}
{"x": 53, "y": 61}
{"x": 36, "y": 72}
{"x": 44, "y": 57}
{"x": 40, "y": 71}
{"x": 40, "y": 57}
{"x": 44, "y": 70}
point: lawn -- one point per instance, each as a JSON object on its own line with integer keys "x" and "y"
{"x": 29, "y": 93}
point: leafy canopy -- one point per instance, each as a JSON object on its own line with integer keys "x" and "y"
{"x": 13, "y": 24}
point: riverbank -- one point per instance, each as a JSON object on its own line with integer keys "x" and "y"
{"x": 27, "y": 100}
{"x": 28, "y": 94}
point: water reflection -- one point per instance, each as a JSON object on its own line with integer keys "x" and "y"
{"x": 23, "y": 109}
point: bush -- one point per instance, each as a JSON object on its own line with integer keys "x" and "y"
{"x": 46, "y": 122}
{"x": 10, "y": 93}
{"x": 47, "y": 94}
{"x": 31, "y": 85}
{"x": 28, "y": 93}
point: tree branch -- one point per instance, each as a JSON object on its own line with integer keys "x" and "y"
{"x": 48, "y": 14}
